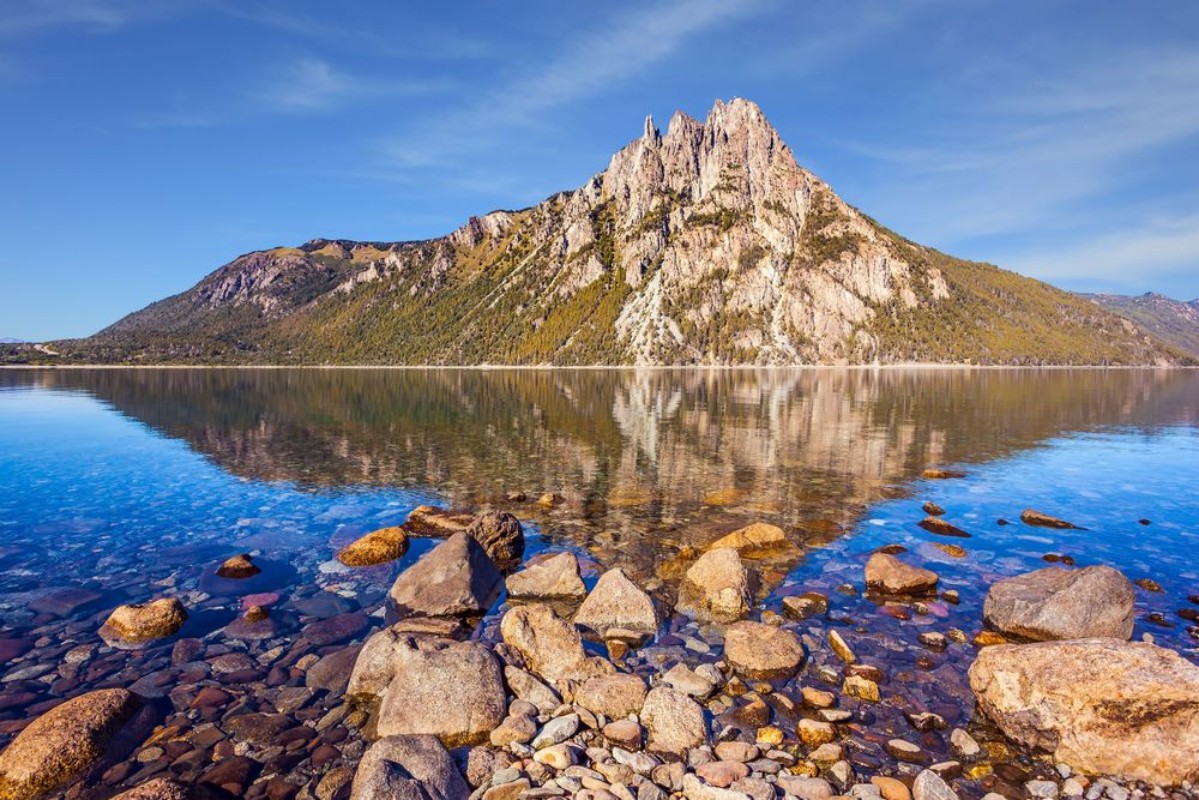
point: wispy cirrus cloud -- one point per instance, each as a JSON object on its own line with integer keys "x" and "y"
{"x": 23, "y": 17}
{"x": 599, "y": 59}
{"x": 300, "y": 86}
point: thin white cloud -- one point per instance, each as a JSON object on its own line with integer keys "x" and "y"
{"x": 298, "y": 86}
{"x": 1147, "y": 255}
{"x": 1037, "y": 149}
{"x": 23, "y": 17}
{"x": 599, "y": 59}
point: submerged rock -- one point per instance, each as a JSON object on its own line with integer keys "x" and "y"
{"x": 934, "y": 524}
{"x": 65, "y": 743}
{"x": 377, "y": 547}
{"x": 408, "y": 768}
{"x": 617, "y": 602}
{"x": 938, "y": 474}
{"x": 762, "y": 651}
{"x": 437, "y": 523}
{"x": 717, "y": 587}
{"x": 550, "y": 645}
{"x": 501, "y": 536}
{"x": 885, "y": 572}
{"x": 238, "y": 567}
{"x": 456, "y": 578}
{"x": 137, "y": 623}
{"x": 1056, "y": 603}
{"x": 1030, "y": 517}
{"x": 757, "y": 540}
{"x": 556, "y": 577}
{"x": 1129, "y": 709}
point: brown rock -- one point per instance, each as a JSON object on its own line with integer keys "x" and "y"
{"x": 757, "y": 540}
{"x": 451, "y": 690}
{"x": 717, "y": 587}
{"x": 456, "y": 578}
{"x": 553, "y": 578}
{"x": 1055, "y": 603}
{"x": 675, "y": 722}
{"x": 936, "y": 474}
{"x": 616, "y": 602}
{"x": 501, "y": 536}
{"x": 932, "y": 509}
{"x": 550, "y": 645}
{"x": 942, "y": 528}
{"x": 408, "y": 768}
{"x": 762, "y": 651}
{"x": 131, "y": 625}
{"x": 1128, "y": 709}
{"x": 1030, "y": 517}
{"x": 376, "y": 547}
{"x": 614, "y": 696}
{"x": 238, "y": 567}
{"x": 437, "y": 522}
{"x": 722, "y": 773}
{"x": 157, "y": 789}
{"x": 888, "y": 574}
{"x": 65, "y": 743}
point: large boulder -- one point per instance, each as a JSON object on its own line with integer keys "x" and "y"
{"x": 66, "y": 743}
{"x": 617, "y": 602}
{"x": 501, "y": 536}
{"x": 760, "y": 651}
{"x": 376, "y": 547}
{"x": 1055, "y": 603}
{"x": 550, "y": 645}
{"x": 451, "y": 690}
{"x": 408, "y": 768}
{"x": 674, "y": 721}
{"x": 1103, "y": 706}
{"x": 556, "y": 577}
{"x": 886, "y": 573}
{"x": 756, "y": 540}
{"x": 135, "y": 624}
{"x": 454, "y": 579}
{"x": 717, "y": 587}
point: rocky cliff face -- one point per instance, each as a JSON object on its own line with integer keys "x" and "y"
{"x": 706, "y": 245}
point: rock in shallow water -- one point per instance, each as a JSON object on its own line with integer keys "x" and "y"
{"x": 376, "y": 547}
{"x": 1055, "y": 603}
{"x": 674, "y": 721}
{"x": 552, "y": 578}
{"x": 717, "y": 587}
{"x": 65, "y": 743}
{"x": 762, "y": 651}
{"x": 885, "y": 572}
{"x": 456, "y": 578}
{"x": 131, "y": 625}
{"x": 501, "y": 536}
{"x": 617, "y": 602}
{"x": 549, "y": 644}
{"x": 1129, "y": 709}
{"x": 757, "y": 540}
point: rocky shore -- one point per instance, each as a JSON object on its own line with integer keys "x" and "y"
{"x": 485, "y": 674}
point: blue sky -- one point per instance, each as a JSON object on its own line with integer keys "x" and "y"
{"x": 146, "y": 142}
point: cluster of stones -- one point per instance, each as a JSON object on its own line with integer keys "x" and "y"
{"x": 524, "y": 706}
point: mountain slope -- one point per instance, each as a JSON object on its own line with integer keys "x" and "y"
{"x": 1172, "y": 321}
{"x": 708, "y": 245}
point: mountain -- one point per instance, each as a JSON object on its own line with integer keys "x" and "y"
{"x": 706, "y": 245}
{"x": 1171, "y": 321}
{"x": 9, "y": 340}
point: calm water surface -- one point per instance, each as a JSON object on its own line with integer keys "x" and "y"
{"x": 129, "y": 484}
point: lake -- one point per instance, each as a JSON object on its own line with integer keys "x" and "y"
{"x": 121, "y": 485}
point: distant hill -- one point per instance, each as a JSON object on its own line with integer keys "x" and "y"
{"x": 706, "y": 245}
{"x": 7, "y": 340}
{"x": 1173, "y": 321}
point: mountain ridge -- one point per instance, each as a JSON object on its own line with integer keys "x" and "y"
{"x": 706, "y": 245}
{"x": 1175, "y": 322}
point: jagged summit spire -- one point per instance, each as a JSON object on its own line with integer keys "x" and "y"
{"x": 650, "y": 131}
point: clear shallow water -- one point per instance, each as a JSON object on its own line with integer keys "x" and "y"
{"x": 131, "y": 484}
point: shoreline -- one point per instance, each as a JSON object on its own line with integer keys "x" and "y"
{"x": 914, "y": 366}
